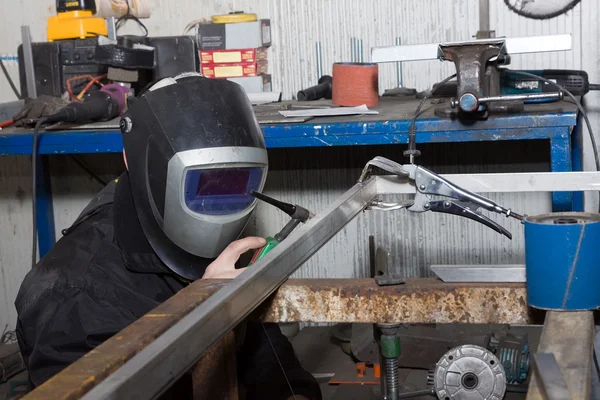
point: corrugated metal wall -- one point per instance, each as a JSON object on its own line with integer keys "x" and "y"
{"x": 315, "y": 178}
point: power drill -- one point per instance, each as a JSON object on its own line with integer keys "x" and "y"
{"x": 299, "y": 215}
{"x": 101, "y": 105}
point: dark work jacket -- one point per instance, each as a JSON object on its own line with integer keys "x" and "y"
{"x": 101, "y": 276}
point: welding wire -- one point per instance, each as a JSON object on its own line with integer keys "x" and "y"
{"x": 352, "y": 49}
{"x": 399, "y": 65}
{"x": 355, "y": 84}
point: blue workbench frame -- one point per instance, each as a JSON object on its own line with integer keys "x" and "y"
{"x": 557, "y": 127}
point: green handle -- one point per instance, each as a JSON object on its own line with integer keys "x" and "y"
{"x": 260, "y": 253}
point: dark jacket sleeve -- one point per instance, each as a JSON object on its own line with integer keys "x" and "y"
{"x": 61, "y": 324}
{"x": 265, "y": 354}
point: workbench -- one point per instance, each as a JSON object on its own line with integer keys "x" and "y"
{"x": 556, "y": 122}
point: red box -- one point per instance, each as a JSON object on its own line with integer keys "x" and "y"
{"x": 233, "y": 56}
{"x": 237, "y": 70}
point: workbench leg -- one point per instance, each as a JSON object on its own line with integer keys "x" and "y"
{"x": 215, "y": 375}
{"x": 44, "y": 208}
{"x": 560, "y": 161}
{"x": 577, "y": 159}
{"x": 569, "y": 336}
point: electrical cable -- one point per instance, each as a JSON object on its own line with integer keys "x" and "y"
{"x": 579, "y": 107}
{"x": 88, "y": 170}
{"x": 34, "y": 151}
{"x": 127, "y": 16}
{"x": 279, "y": 361}
{"x": 9, "y": 79}
{"x": 412, "y": 129}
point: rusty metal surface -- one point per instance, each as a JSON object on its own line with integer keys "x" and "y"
{"x": 215, "y": 375}
{"x": 317, "y": 300}
{"x": 417, "y": 301}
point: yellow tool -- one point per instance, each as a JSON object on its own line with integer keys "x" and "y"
{"x": 75, "y": 20}
{"x": 233, "y": 18}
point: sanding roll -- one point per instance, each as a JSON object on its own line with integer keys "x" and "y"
{"x": 355, "y": 84}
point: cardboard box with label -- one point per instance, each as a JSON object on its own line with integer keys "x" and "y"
{"x": 242, "y": 35}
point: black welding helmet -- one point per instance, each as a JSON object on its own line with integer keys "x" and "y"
{"x": 194, "y": 152}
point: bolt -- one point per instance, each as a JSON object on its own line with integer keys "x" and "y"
{"x": 447, "y": 204}
{"x": 426, "y": 206}
{"x": 468, "y": 102}
{"x": 422, "y": 187}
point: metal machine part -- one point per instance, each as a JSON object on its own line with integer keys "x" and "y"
{"x": 514, "y": 354}
{"x": 469, "y": 372}
{"x": 389, "y": 345}
{"x": 384, "y": 272}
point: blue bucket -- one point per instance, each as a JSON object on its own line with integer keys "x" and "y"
{"x": 562, "y": 258}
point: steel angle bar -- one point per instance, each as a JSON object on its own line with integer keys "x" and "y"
{"x": 480, "y": 273}
{"x": 161, "y": 363}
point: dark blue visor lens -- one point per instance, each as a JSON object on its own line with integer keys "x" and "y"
{"x": 221, "y": 191}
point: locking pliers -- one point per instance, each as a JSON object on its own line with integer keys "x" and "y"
{"x": 462, "y": 202}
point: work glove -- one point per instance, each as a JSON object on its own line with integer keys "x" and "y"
{"x": 37, "y": 108}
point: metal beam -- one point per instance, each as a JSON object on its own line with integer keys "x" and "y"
{"x": 173, "y": 353}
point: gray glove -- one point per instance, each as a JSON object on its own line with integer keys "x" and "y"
{"x": 35, "y": 109}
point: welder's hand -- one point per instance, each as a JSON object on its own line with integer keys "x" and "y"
{"x": 224, "y": 266}
{"x": 41, "y": 106}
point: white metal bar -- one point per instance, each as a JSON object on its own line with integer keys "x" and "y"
{"x": 518, "y": 45}
{"x": 504, "y": 183}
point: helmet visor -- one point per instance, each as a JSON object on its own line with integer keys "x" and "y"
{"x": 221, "y": 191}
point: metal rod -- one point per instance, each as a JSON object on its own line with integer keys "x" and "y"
{"x": 162, "y": 362}
{"x": 28, "y": 62}
{"x": 484, "y": 15}
{"x": 399, "y": 65}
{"x": 360, "y": 51}
{"x": 112, "y": 28}
{"x": 319, "y": 61}
{"x": 352, "y": 49}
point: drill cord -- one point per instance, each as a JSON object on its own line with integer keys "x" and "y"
{"x": 581, "y": 110}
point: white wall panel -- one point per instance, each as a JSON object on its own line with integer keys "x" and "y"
{"x": 415, "y": 240}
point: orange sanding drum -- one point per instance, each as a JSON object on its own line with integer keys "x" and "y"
{"x": 355, "y": 84}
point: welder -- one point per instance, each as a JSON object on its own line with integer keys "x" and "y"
{"x": 193, "y": 152}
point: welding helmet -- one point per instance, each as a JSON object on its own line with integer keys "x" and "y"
{"x": 194, "y": 152}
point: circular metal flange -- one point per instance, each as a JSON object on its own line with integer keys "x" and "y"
{"x": 469, "y": 372}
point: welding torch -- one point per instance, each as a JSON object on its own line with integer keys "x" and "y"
{"x": 298, "y": 214}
